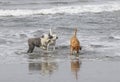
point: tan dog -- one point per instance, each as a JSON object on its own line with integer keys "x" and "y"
{"x": 74, "y": 43}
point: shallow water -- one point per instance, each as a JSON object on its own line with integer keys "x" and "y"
{"x": 98, "y": 31}
{"x": 98, "y": 34}
{"x": 69, "y": 71}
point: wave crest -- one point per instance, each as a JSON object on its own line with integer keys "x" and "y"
{"x": 64, "y": 9}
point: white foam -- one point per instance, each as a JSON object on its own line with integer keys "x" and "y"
{"x": 75, "y": 9}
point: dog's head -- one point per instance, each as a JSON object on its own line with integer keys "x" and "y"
{"x": 49, "y": 38}
{"x": 54, "y": 37}
{"x": 46, "y": 38}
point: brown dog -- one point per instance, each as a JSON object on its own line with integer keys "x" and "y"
{"x": 74, "y": 43}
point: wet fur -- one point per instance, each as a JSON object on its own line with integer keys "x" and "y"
{"x": 74, "y": 43}
{"x": 52, "y": 40}
{"x": 39, "y": 42}
{"x": 32, "y": 43}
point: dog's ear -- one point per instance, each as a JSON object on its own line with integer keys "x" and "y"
{"x": 50, "y": 31}
{"x": 49, "y": 34}
{"x": 50, "y": 37}
{"x": 42, "y": 36}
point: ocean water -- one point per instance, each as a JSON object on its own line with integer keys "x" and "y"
{"x": 98, "y": 23}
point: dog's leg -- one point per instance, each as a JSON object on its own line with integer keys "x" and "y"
{"x": 44, "y": 47}
{"x": 77, "y": 51}
{"x": 80, "y": 48}
{"x": 54, "y": 48}
{"x": 28, "y": 51}
{"x": 71, "y": 50}
{"x": 31, "y": 48}
{"x": 48, "y": 47}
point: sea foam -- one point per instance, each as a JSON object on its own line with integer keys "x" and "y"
{"x": 75, "y": 9}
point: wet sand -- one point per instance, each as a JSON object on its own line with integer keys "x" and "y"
{"x": 73, "y": 70}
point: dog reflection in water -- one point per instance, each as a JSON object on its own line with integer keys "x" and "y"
{"x": 47, "y": 67}
{"x": 75, "y": 67}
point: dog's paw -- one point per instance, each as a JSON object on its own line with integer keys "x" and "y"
{"x": 44, "y": 48}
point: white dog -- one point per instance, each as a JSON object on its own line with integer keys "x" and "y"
{"x": 43, "y": 42}
{"x": 39, "y": 42}
{"x": 52, "y": 41}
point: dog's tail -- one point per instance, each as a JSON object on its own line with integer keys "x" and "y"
{"x": 75, "y": 32}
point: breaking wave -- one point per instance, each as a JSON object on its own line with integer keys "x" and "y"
{"x": 76, "y": 9}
